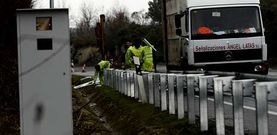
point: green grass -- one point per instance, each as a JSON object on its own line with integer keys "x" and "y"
{"x": 131, "y": 117}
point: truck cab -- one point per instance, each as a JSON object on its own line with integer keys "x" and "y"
{"x": 221, "y": 35}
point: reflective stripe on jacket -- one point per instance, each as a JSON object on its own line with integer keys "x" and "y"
{"x": 147, "y": 59}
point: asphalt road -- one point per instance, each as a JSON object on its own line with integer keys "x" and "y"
{"x": 249, "y": 113}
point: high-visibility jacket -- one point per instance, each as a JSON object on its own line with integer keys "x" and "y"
{"x": 147, "y": 56}
{"x": 132, "y": 51}
{"x": 103, "y": 65}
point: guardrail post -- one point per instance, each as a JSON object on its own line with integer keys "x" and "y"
{"x": 142, "y": 93}
{"x": 157, "y": 94}
{"x": 248, "y": 87}
{"x": 114, "y": 79}
{"x": 163, "y": 92}
{"x": 180, "y": 96}
{"x": 117, "y": 80}
{"x": 203, "y": 103}
{"x": 146, "y": 86}
{"x": 120, "y": 81}
{"x": 190, "y": 98}
{"x": 132, "y": 84}
{"x": 227, "y": 83}
{"x": 150, "y": 88}
{"x": 171, "y": 94}
{"x": 219, "y": 107}
{"x": 128, "y": 84}
{"x": 272, "y": 90}
{"x": 262, "y": 108}
{"x": 136, "y": 86}
{"x": 110, "y": 78}
{"x": 105, "y": 77}
{"x": 238, "y": 107}
{"x": 125, "y": 83}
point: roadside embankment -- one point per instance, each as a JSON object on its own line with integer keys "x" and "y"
{"x": 123, "y": 115}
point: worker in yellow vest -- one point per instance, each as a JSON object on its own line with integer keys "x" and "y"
{"x": 147, "y": 56}
{"x": 134, "y": 50}
{"x": 99, "y": 70}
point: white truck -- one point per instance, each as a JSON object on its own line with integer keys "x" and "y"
{"x": 216, "y": 35}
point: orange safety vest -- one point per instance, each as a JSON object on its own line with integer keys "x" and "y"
{"x": 204, "y": 30}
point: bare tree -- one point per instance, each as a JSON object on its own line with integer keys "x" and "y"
{"x": 140, "y": 17}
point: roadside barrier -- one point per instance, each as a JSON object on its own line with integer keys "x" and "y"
{"x": 84, "y": 68}
{"x": 182, "y": 94}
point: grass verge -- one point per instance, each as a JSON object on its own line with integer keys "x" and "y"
{"x": 126, "y": 116}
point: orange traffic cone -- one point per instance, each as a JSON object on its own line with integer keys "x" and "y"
{"x": 84, "y": 68}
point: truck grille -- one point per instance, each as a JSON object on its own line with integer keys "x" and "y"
{"x": 232, "y": 55}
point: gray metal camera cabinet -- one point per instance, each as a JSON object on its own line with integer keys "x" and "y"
{"x": 44, "y": 72}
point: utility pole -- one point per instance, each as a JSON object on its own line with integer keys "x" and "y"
{"x": 164, "y": 27}
{"x": 51, "y": 3}
{"x": 102, "y": 25}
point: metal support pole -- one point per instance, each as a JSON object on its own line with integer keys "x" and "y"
{"x": 163, "y": 92}
{"x": 121, "y": 82}
{"x": 110, "y": 77}
{"x": 116, "y": 80}
{"x": 51, "y": 3}
{"x": 136, "y": 86}
{"x": 150, "y": 89}
{"x": 262, "y": 108}
{"x": 219, "y": 108}
{"x": 125, "y": 84}
{"x": 238, "y": 107}
{"x": 180, "y": 96}
{"x": 190, "y": 98}
{"x": 146, "y": 86}
{"x": 171, "y": 94}
{"x": 157, "y": 94}
{"x": 142, "y": 89}
{"x": 105, "y": 77}
{"x": 132, "y": 85}
{"x": 203, "y": 103}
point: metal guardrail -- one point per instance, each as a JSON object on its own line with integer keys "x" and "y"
{"x": 172, "y": 91}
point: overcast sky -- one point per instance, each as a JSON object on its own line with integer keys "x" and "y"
{"x": 102, "y": 6}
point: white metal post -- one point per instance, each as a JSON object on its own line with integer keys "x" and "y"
{"x": 180, "y": 96}
{"x": 150, "y": 89}
{"x": 219, "y": 106}
{"x": 51, "y": 3}
{"x": 190, "y": 99}
{"x": 171, "y": 94}
{"x": 238, "y": 107}
{"x": 163, "y": 92}
{"x": 262, "y": 108}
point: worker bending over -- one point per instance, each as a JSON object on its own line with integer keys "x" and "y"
{"x": 99, "y": 70}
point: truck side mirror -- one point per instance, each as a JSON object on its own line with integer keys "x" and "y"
{"x": 178, "y": 20}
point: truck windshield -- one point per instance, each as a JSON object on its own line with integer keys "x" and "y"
{"x": 233, "y": 22}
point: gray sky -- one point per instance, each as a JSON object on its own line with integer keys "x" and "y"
{"x": 102, "y": 6}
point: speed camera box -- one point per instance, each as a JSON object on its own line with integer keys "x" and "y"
{"x": 44, "y": 72}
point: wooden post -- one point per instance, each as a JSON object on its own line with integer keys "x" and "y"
{"x": 102, "y": 24}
